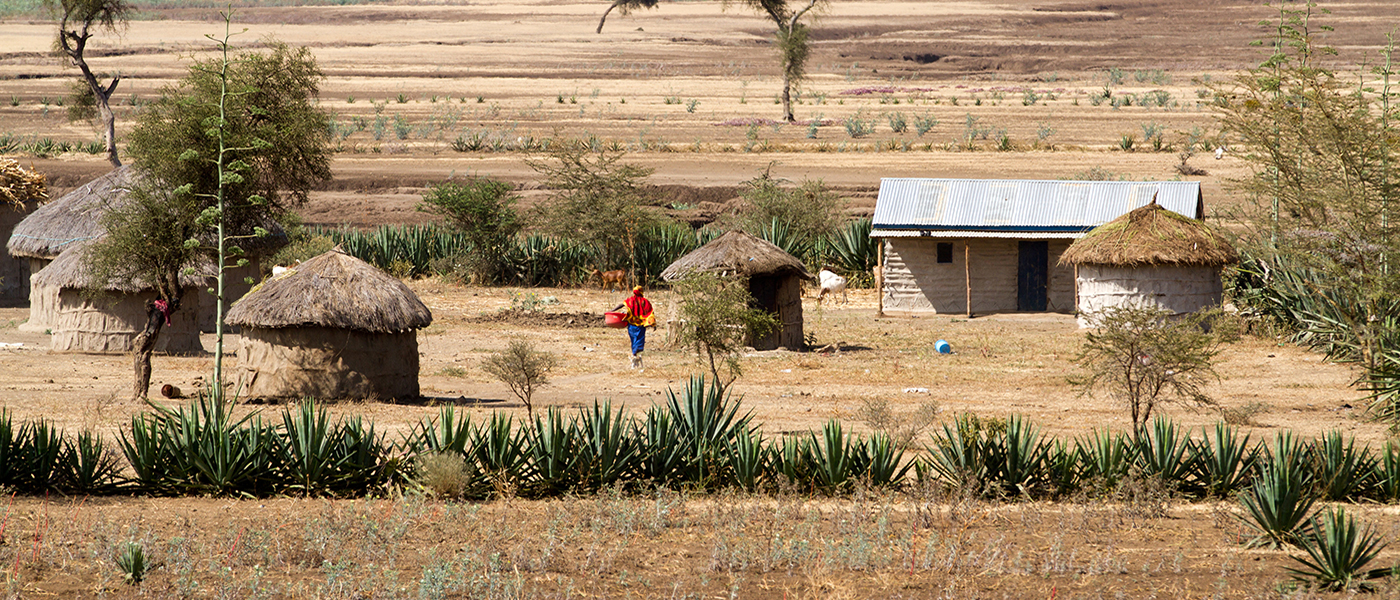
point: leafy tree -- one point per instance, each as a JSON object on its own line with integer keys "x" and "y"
{"x": 598, "y": 201}
{"x": 483, "y": 209}
{"x": 716, "y": 318}
{"x": 222, "y": 154}
{"x": 77, "y": 22}
{"x": 1144, "y": 356}
{"x": 1323, "y": 153}
{"x": 809, "y": 211}
{"x": 793, "y": 37}
{"x": 794, "y": 44}
{"x": 523, "y": 369}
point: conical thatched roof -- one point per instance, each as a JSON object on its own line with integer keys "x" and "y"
{"x": 77, "y": 217}
{"x": 73, "y": 218}
{"x": 741, "y": 253}
{"x": 1151, "y": 236}
{"x": 332, "y": 290}
{"x": 69, "y": 271}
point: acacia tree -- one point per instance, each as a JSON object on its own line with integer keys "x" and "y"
{"x": 716, "y": 318}
{"x": 222, "y": 154}
{"x": 1322, "y": 245}
{"x": 1144, "y": 356}
{"x": 625, "y": 7}
{"x": 794, "y": 44}
{"x": 77, "y": 22}
{"x": 599, "y": 201}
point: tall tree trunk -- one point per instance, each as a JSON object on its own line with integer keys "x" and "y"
{"x": 73, "y": 46}
{"x": 787, "y": 96}
{"x": 145, "y": 346}
{"x": 605, "y": 14}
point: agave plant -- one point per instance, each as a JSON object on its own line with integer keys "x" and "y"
{"x": 852, "y": 249}
{"x": 90, "y": 467}
{"x": 959, "y": 456}
{"x": 1342, "y": 470}
{"x": 1388, "y": 473}
{"x": 834, "y": 460}
{"x": 1338, "y": 552}
{"x": 608, "y": 452}
{"x": 1163, "y": 452}
{"x": 201, "y": 449}
{"x": 1106, "y": 458}
{"x": 882, "y": 461}
{"x": 1277, "y": 503}
{"x": 748, "y": 460}
{"x": 556, "y": 458}
{"x": 1222, "y": 463}
{"x": 1015, "y": 458}
{"x": 500, "y": 449}
{"x": 1062, "y": 467}
{"x": 701, "y": 422}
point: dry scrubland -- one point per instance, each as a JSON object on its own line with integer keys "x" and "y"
{"x": 684, "y": 88}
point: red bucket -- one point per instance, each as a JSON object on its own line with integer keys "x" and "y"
{"x": 616, "y": 320}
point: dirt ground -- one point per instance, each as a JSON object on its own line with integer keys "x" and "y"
{"x": 1001, "y": 365}
{"x": 688, "y": 90}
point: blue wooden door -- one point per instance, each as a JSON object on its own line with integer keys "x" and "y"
{"x": 1032, "y": 276}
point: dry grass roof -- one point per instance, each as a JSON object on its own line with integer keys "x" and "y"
{"x": 20, "y": 186}
{"x": 77, "y": 217}
{"x": 738, "y": 253}
{"x": 73, "y": 218}
{"x": 332, "y": 290}
{"x": 69, "y": 271}
{"x": 1151, "y": 236}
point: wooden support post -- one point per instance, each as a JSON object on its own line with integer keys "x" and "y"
{"x": 967, "y": 274}
{"x": 880, "y": 278}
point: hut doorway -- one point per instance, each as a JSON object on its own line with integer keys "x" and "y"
{"x": 764, "y": 294}
{"x": 1031, "y": 276}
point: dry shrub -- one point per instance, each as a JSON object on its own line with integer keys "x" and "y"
{"x": 1243, "y": 415}
{"x": 902, "y": 427}
{"x": 444, "y": 474}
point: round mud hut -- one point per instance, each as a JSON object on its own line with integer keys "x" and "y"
{"x": 1150, "y": 256}
{"x": 21, "y": 192}
{"x": 775, "y": 280}
{"x": 77, "y": 217}
{"x": 107, "y": 321}
{"x": 334, "y": 327}
{"x": 73, "y": 218}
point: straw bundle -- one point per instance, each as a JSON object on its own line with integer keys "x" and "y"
{"x": 1151, "y": 236}
{"x": 19, "y": 185}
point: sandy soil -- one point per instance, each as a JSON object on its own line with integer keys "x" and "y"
{"x": 1002, "y": 364}
{"x": 688, "y": 90}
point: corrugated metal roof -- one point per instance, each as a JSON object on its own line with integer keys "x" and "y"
{"x": 1034, "y": 208}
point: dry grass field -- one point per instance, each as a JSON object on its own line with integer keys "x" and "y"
{"x": 1009, "y": 89}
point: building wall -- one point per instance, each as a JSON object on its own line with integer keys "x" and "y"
{"x": 1177, "y": 289}
{"x": 915, "y": 282}
{"x": 325, "y": 363}
{"x": 14, "y": 270}
{"x": 110, "y": 324}
{"x": 43, "y": 301}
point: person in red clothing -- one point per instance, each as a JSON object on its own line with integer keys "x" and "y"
{"x": 639, "y": 318}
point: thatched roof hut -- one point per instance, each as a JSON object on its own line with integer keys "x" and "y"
{"x": 77, "y": 217}
{"x": 107, "y": 320}
{"x": 333, "y": 327}
{"x": 775, "y": 280}
{"x": 1149, "y": 256}
{"x": 738, "y": 253}
{"x": 21, "y": 192}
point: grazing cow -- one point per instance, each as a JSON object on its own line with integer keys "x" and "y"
{"x": 831, "y": 284}
{"x": 609, "y": 279}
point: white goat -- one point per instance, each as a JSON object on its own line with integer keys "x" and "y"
{"x": 831, "y": 284}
